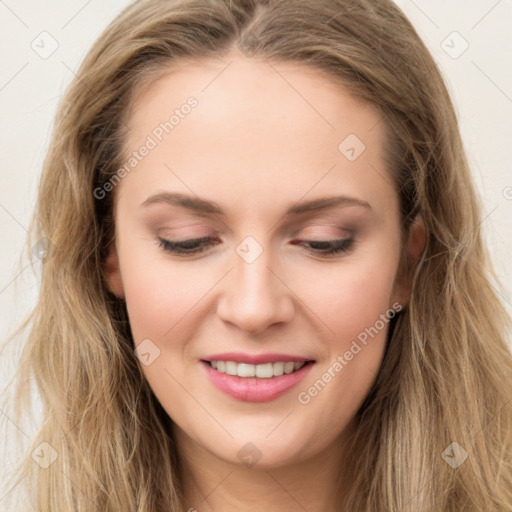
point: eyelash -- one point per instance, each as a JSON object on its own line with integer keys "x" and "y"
{"x": 197, "y": 245}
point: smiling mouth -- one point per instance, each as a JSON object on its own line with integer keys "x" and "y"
{"x": 261, "y": 371}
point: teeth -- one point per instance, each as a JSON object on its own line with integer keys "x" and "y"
{"x": 262, "y": 371}
{"x": 231, "y": 368}
{"x": 278, "y": 369}
{"x": 265, "y": 371}
{"x": 246, "y": 370}
{"x": 289, "y": 367}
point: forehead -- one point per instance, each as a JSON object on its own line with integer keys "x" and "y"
{"x": 237, "y": 90}
{"x": 258, "y": 128}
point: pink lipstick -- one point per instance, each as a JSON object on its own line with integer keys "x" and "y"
{"x": 256, "y": 378}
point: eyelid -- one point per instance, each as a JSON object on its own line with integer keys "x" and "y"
{"x": 332, "y": 248}
{"x": 334, "y": 232}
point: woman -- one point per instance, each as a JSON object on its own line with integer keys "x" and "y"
{"x": 265, "y": 286}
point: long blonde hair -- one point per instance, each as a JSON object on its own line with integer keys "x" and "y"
{"x": 443, "y": 392}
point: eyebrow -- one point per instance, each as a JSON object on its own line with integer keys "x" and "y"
{"x": 206, "y": 207}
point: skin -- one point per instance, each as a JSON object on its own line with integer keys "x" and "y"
{"x": 261, "y": 138}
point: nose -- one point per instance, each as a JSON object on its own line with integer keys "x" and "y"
{"x": 254, "y": 296}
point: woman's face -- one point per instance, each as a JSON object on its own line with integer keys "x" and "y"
{"x": 270, "y": 164}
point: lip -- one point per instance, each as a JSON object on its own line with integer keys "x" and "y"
{"x": 240, "y": 357}
{"x": 253, "y": 389}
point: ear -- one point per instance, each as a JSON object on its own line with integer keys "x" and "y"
{"x": 112, "y": 273}
{"x": 417, "y": 239}
{"x": 416, "y": 242}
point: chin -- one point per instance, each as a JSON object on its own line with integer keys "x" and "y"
{"x": 262, "y": 452}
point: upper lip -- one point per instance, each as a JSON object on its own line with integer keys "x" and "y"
{"x": 271, "y": 357}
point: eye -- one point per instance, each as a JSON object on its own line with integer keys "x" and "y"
{"x": 198, "y": 245}
{"x": 192, "y": 246}
{"x": 331, "y": 247}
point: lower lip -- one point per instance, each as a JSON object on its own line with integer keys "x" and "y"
{"x": 252, "y": 389}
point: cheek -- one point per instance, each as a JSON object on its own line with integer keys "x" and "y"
{"x": 159, "y": 293}
{"x": 351, "y": 295}
{"x": 355, "y": 302}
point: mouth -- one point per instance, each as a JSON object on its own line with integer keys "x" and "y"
{"x": 261, "y": 382}
{"x": 259, "y": 371}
